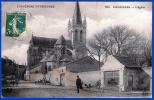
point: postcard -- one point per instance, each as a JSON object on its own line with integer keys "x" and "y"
{"x": 77, "y": 49}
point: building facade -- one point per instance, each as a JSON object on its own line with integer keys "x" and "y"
{"x": 87, "y": 68}
{"x": 37, "y": 48}
{"x": 123, "y": 74}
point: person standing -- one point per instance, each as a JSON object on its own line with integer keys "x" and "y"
{"x": 78, "y": 83}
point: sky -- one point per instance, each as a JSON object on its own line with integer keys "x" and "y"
{"x": 52, "y": 22}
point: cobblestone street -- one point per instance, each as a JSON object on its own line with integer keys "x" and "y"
{"x": 32, "y": 90}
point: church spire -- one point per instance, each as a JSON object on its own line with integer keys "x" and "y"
{"x": 77, "y": 14}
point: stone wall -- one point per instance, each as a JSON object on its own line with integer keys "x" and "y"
{"x": 36, "y": 76}
{"x": 54, "y": 76}
{"x": 91, "y": 77}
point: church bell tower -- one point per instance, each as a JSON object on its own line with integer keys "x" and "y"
{"x": 77, "y": 33}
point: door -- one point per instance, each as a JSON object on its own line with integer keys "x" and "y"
{"x": 130, "y": 82}
{"x": 62, "y": 79}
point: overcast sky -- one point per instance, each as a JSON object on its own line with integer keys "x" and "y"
{"x": 52, "y": 22}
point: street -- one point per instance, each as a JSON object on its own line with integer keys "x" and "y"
{"x": 36, "y": 90}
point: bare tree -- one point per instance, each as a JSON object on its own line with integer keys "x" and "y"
{"x": 117, "y": 40}
{"x": 100, "y": 45}
{"x": 121, "y": 37}
{"x": 96, "y": 49}
{"x": 148, "y": 52}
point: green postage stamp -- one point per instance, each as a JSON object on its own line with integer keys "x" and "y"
{"x": 15, "y": 24}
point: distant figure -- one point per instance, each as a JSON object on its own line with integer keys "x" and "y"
{"x": 78, "y": 83}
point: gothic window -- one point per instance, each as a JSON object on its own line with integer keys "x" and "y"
{"x": 76, "y": 35}
{"x": 81, "y": 36}
{"x": 63, "y": 50}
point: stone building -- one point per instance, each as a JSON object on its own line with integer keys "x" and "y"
{"x": 123, "y": 74}
{"x": 12, "y": 70}
{"x": 58, "y": 49}
{"x": 87, "y": 68}
{"x": 37, "y": 48}
{"x": 77, "y": 33}
{"x": 61, "y": 56}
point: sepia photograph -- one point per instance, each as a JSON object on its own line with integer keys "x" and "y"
{"x": 76, "y": 49}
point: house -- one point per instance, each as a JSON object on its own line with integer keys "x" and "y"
{"x": 10, "y": 68}
{"x": 87, "y": 68}
{"x": 123, "y": 74}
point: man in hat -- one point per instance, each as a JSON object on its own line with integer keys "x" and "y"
{"x": 78, "y": 83}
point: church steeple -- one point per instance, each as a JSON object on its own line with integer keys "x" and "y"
{"x": 77, "y": 33}
{"x": 77, "y": 15}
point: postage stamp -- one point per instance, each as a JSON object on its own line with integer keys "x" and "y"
{"x": 15, "y": 24}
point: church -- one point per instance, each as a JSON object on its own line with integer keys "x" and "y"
{"x": 72, "y": 49}
{"x": 64, "y": 59}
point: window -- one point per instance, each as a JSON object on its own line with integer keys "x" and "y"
{"x": 76, "y": 35}
{"x": 111, "y": 77}
{"x": 49, "y": 68}
{"x": 81, "y": 36}
{"x": 63, "y": 50}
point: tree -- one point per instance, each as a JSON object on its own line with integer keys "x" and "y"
{"x": 99, "y": 45}
{"x": 97, "y": 50}
{"x": 116, "y": 40}
{"x": 147, "y": 46}
{"x": 123, "y": 37}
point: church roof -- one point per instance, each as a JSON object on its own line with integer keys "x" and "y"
{"x": 66, "y": 58}
{"x": 43, "y": 42}
{"x": 48, "y": 58}
{"x": 52, "y": 58}
{"x": 84, "y": 64}
{"x": 77, "y": 14}
{"x": 61, "y": 40}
